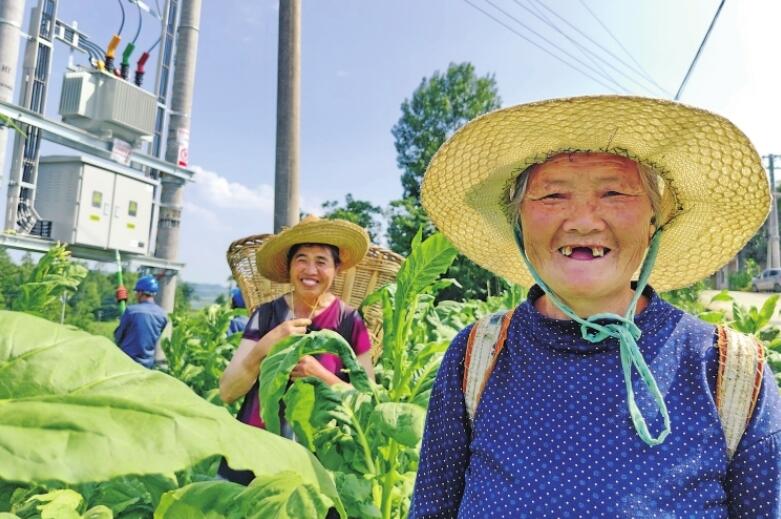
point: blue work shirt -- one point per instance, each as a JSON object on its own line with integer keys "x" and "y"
{"x": 552, "y": 437}
{"x": 138, "y": 331}
{"x": 237, "y": 324}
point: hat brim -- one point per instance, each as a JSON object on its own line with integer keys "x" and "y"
{"x": 351, "y": 240}
{"x": 716, "y": 177}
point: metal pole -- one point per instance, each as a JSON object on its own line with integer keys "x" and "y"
{"x": 288, "y": 114}
{"x": 11, "y": 16}
{"x": 177, "y": 143}
{"x": 773, "y": 247}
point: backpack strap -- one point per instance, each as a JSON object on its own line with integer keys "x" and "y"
{"x": 346, "y": 324}
{"x": 739, "y": 380}
{"x": 485, "y": 343}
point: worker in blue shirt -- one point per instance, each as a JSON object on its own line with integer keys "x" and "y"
{"x": 141, "y": 324}
{"x": 239, "y": 322}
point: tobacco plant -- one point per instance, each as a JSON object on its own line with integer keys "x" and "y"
{"x": 368, "y": 433}
{"x": 77, "y": 412}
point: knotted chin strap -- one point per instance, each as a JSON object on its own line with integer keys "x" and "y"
{"x": 624, "y": 330}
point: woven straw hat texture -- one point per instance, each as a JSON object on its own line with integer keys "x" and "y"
{"x": 716, "y": 194}
{"x": 377, "y": 269}
{"x": 351, "y": 240}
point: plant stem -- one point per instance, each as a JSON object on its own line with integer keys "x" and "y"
{"x": 389, "y": 481}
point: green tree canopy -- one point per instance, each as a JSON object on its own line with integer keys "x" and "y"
{"x": 359, "y": 212}
{"x": 439, "y": 106}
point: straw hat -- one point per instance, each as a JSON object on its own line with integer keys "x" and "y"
{"x": 715, "y": 191}
{"x": 351, "y": 240}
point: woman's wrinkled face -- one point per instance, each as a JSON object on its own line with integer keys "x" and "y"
{"x": 312, "y": 270}
{"x": 586, "y": 222}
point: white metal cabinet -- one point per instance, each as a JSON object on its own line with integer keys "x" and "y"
{"x": 131, "y": 215}
{"x": 91, "y": 205}
{"x": 93, "y": 219}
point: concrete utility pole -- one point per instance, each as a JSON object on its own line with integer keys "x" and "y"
{"x": 288, "y": 114}
{"x": 177, "y": 142}
{"x": 11, "y": 16}
{"x": 773, "y": 247}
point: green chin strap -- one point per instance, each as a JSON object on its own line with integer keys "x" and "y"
{"x": 625, "y": 330}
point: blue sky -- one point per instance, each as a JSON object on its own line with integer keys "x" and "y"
{"x": 361, "y": 59}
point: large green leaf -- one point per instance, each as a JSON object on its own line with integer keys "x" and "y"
{"x": 425, "y": 264}
{"x": 400, "y": 421}
{"x": 74, "y": 408}
{"x": 284, "y": 356}
{"x": 284, "y": 495}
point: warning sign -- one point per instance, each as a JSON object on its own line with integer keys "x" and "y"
{"x": 183, "y": 141}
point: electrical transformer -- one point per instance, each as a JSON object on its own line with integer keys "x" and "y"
{"x": 93, "y": 206}
{"x": 105, "y": 105}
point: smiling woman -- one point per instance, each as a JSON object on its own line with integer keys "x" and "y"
{"x": 596, "y": 398}
{"x": 308, "y": 256}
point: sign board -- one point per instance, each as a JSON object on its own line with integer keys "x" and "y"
{"x": 183, "y": 142}
{"x": 120, "y": 151}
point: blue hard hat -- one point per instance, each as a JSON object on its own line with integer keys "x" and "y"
{"x": 237, "y": 300}
{"x": 147, "y": 285}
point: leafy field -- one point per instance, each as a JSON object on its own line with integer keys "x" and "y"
{"x": 88, "y": 433}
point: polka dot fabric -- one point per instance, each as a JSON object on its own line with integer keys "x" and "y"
{"x": 552, "y": 436}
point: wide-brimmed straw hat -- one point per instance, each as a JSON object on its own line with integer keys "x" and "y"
{"x": 715, "y": 191}
{"x": 351, "y": 240}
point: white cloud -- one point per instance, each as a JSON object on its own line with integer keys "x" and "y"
{"x": 215, "y": 190}
{"x": 218, "y": 211}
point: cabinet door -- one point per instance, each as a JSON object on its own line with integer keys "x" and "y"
{"x": 132, "y": 214}
{"x": 95, "y": 200}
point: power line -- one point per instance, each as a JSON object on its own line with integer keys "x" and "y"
{"x": 581, "y": 48}
{"x": 640, "y": 71}
{"x": 578, "y": 44}
{"x": 542, "y": 48}
{"x": 699, "y": 51}
{"x": 626, "y": 51}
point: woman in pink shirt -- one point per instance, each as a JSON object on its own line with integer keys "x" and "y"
{"x": 308, "y": 256}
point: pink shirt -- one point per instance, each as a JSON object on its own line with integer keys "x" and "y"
{"x": 328, "y": 319}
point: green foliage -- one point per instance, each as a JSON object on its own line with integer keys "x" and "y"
{"x": 75, "y": 409}
{"x": 687, "y": 298}
{"x": 184, "y": 296}
{"x": 437, "y": 108}
{"x": 751, "y": 320}
{"x": 359, "y": 212}
{"x": 741, "y": 280}
{"x": 53, "y": 279}
{"x": 285, "y": 495}
{"x": 369, "y": 433}
{"x": 284, "y": 356}
{"x": 199, "y": 349}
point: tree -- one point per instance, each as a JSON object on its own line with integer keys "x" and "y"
{"x": 359, "y": 212}
{"x": 438, "y": 107}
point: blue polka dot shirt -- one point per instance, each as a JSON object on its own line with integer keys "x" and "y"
{"x": 552, "y": 436}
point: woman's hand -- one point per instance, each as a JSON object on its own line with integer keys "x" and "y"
{"x": 290, "y": 327}
{"x": 308, "y": 366}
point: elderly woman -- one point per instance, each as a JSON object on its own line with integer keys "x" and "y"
{"x": 596, "y": 398}
{"x": 308, "y": 256}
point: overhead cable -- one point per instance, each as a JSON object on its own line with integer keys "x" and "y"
{"x": 122, "y": 23}
{"x": 699, "y": 51}
{"x": 579, "y": 45}
{"x": 641, "y": 70}
{"x": 552, "y": 54}
{"x": 638, "y": 69}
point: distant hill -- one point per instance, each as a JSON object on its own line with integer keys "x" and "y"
{"x": 205, "y": 293}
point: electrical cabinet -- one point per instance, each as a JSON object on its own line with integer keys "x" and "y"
{"x": 90, "y": 205}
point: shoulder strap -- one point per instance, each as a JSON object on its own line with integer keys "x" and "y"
{"x": 739, "y": 379}
{"x": 486, "y": 340}
{"x": 346, "y": 321}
